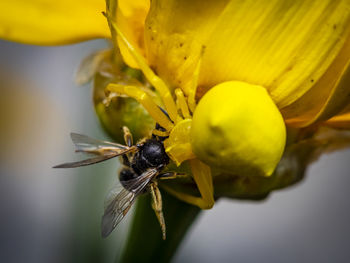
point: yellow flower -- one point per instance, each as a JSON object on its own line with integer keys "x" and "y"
{"x": 274, "y": 58}
{"x": 298, "y": 51}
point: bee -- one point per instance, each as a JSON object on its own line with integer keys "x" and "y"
{"x": 143, "y": 165}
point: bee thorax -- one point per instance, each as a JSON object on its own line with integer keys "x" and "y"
{"x": 151, "y": 155}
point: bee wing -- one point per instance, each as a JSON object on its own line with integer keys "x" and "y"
{"x": 103, "y": 149}
{"x": 92, "y": 64}
{"x": 119, "y": 204}
{"x": 89, "y": 161}
{"x": 85, "y": 143}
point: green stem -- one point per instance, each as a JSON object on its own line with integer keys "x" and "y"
{"x": 145, "y": 242}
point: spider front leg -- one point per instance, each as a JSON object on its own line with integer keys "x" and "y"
{"x": 202, "y": 176}
{"x": 182, "y": 104}
{"x": 157, "y": 206}
{"x": 113, "y": 90}
{"x": 154, "y": 80}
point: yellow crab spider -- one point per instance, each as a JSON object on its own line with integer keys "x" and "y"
{"x": 178, "y": 127}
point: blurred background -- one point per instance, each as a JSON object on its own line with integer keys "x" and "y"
{"x": 50, "y": 215}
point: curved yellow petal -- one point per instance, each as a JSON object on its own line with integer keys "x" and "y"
{"x": 329, "y": 95}
{"x": 285, "y": 46}
{"x": 281, "y": 45}
{"x": 45, "y": 22}
{"x": 130, "y": 17}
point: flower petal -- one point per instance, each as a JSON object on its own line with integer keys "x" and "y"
{"x": 342, "y": 120}
{"x": 327, "y": 97}
{"x": 175, "y": 32}
{"x": 131, "y": 16}
{"x": 281, "y": 45}
{"x": 45, "y": 22}
{"x": 277, "y": 44}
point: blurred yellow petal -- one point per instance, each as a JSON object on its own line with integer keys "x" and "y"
{"x": 342, "y": 120}
{"x": 44, "y": 22}
{"x": 285, "y": 46}
{"x": 131, "y": 16}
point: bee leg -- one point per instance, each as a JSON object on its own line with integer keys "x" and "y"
{"x": 157, "y": 207}
{"x": 126, "y": 160}
{"x": 127, "y": 136}
{"x": 170, "y": 175}
{"x": 128, "y": 141}
{"x": 202, "y": 176}
{"x": 113, "y": 90}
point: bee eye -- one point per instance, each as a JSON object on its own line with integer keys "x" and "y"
{"x": 237, "y": 128}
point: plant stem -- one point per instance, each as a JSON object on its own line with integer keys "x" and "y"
{"x": 145, "y": 243}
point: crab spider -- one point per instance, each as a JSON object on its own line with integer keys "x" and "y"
{"x": 177, "y": 126}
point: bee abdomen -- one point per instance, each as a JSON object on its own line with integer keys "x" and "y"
{"x": 125, "y": 176}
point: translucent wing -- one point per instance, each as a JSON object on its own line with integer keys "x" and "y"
{"x": 89, "y": 161}
{"x": 103, "y": 149}
{"x": 92, "y": 64}
{"x": 119, "y": 204}
{"x": 85, "y": 143}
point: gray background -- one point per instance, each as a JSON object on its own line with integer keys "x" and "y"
{"x": 52, "y": 215}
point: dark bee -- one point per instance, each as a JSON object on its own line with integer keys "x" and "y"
{"x": 143, "y": 165}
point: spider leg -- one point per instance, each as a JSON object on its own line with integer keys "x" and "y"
{"x": 157, "y": 82}
{"x": 182, "y": 104}
{"x": 202, "y": 177}
{"x": 143, "y": 98}
{"x": 193, "y": 88}
{"x": 160, "y": 133}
